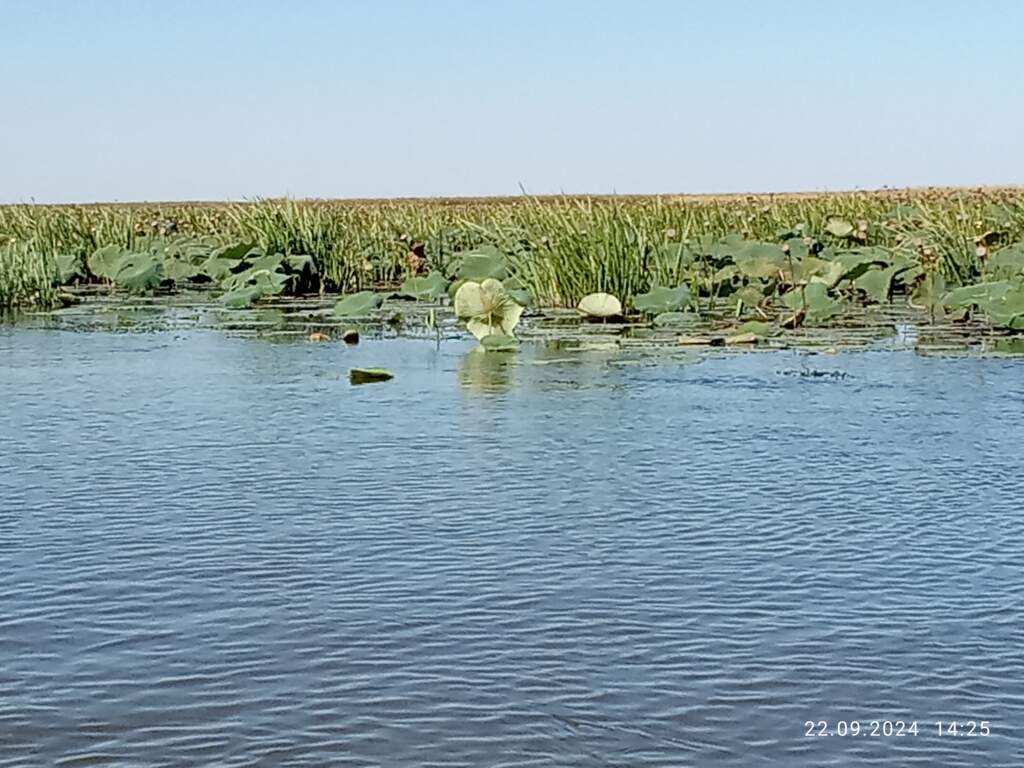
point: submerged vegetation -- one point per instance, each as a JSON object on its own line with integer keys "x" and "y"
{"x": 782, "y": 261}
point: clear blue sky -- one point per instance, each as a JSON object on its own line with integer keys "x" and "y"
{"x": 174, "y": 100}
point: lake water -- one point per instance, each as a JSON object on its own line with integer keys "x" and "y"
{"x": 216, "y": 551}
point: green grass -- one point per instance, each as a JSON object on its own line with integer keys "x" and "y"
{"x": 561, "y": 248}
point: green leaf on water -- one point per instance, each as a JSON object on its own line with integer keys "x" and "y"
{"x": 358, "y": 304}
{"x": 241, "y": 298}
{"x": 676, "y": 318}
{"x": 813, "y": 298}
{"x": 877, "y": 282}
{"x": 755, "y": 327}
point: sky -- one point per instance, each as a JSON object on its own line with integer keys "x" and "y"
{"x": 134, "y": 100}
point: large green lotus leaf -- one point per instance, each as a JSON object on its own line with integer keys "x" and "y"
{"x": 1008, "y": 308}
{"x": 358, "y": 304}
{"x": 138, "y": 272}
{"x": 981, "y": 294}
{"x": 269, "y": 262}
{"x": 877, "y": 282}
{"x": 482, "y": 264}
{"x": 236, "y": 252}
{"x": 856, "y": 261}
{"x": 268, "y": 281}
{"x": 798, "y": 249}
{"x": 813, "y": 298}
{"x": 600, "y": 305}
{"x": 760, "y": 260}
{"x": 659, "y": 300}
{"x": 1006, "y": 262}
{"x": 179, "y": 270}
{"x": 218, "y": 268}
{"x": 69, "y": 266}
{"x": 751, "y": 295}
{"x": 241, "y": 298}
{"x": 428, "y": 288}
{"x": 839, "y": 227}
{"x": 104, "y": 262}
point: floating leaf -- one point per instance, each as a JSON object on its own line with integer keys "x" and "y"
{"x": 660, "y": 300}
{"x": 742, "y": 338}
{"x": 755, "y": 327}
{"x": 600, "y": 305}
{"x": 358, "y": 304}
{"x": 518, "y": 291}
{"x": 369, "y": 375}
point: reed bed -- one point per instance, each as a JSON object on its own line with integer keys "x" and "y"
{"x": 561, "y": 248}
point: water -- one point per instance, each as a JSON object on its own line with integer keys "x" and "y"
{"x": 215, "y": 551}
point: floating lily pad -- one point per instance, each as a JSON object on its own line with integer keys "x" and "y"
{"x": 499, "y": 343}
{"x": 676, "y": 318}
{"x": 358, "y": 304}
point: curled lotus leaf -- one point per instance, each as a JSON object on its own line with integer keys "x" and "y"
{"x": 839, "y": 227}
{"x": 600, "y": 305}
{"x": 138, "y": 272}
{"x": 104, "y": 262}
{"x": 487, "y": 308}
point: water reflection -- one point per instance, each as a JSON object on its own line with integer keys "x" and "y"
{"x": 483, "y": 371}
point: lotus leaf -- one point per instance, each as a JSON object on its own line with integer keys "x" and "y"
{"x": 483, "y": 263}
{"x": 241, "y": 298}
{"x": 487, "y": 308}
{"x": 300, "y": 262}
{"x": 839, "y": 227}
{"x": 138, "y": 272}
{"x": 660, "y": 300}
{"x": 1007, "y": 262}
{"x": 760, "y": 260}
{"x": 179, "y": 270}
{"x": 358, "y": 304}
{"x": 814, "y": 299}
{"x": 600, "y": 305}
{"x": 877, "y": 282}
{"x": 429, "y": 288}
{"x": 104, "y": 262}
{"x": 369, "y": 375}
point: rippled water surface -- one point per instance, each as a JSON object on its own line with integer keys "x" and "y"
{"x": 215, "y": 551}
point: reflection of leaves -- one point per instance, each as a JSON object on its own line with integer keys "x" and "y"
{"x": 483, "y": 371}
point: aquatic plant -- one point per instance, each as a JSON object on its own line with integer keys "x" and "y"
{"x": 600, "y": 305}
{"x": 487, "y": 308}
